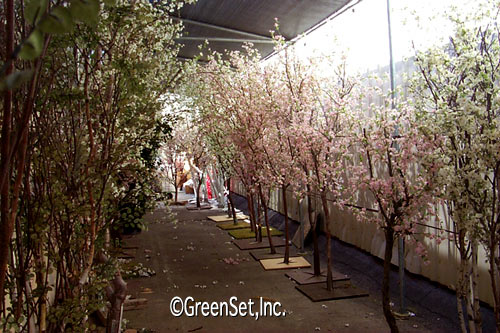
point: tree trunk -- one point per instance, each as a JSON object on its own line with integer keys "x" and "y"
{"x": 386, "y": 296}
{"x": 469, "y": 307}
{"x": 466, "y": 286}
{"x": 176, "y": 194}
{"x": 9, "y": 198}
{"x": 6, "y": 228}
{"x": 21, "y": 273}
{"x": 217, "y": 187}
{"x": 89, "y": 186}
{"x": 460, "y": 312}
{"x": 198, "y": 186}
{"x": 251, "y": 211}
{"x": 496, "y": 273}
{"x": 475, "y": 290}
{"x": 205, "y": 190}
{"x": 116, "y": 295}
{"x": 326, "y": 211}
{"x": 229, "y": 206}
{"x": 462, "y": 286}
{"x": 494, "y": 277}
{"x": 495, "y": 246}
{"x": 313, "y": 223}
{"x": 233, "y": 211}
{"x": 228, "y": 200}
{"x": 316, "y": 261}
{"x": 264, "y": 205}
{"x": 258, "y": 237}
{"x": 286, "y": 259}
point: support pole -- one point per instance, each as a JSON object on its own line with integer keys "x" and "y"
{"x": 401, "y": 241}
{"x": 391, "y": 59}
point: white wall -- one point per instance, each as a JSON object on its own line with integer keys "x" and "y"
{"x": 443, "y": 259}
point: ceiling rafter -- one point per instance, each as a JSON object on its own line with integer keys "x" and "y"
{"x": 225, "y": 40}
{"x": 224, "y": 29}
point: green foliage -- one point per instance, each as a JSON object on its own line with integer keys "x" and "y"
{"x": 141, "y": 195}
{"x": 94, "y": 137}
{"x": 15, "y": 80}
{"x": 137, "y": 201}
{"x": 58, "y": 21}
{"x": 161, "y": 132}
{"x": 86, "y": 11}
{"x": 72, "y": 313}
{"x": 32, "y": 46}
{"x": 34, "y": 10}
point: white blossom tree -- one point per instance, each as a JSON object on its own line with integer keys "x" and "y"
{"x": 457, "y": 92}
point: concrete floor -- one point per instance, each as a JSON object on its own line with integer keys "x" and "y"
{"x": 188, "y": 259}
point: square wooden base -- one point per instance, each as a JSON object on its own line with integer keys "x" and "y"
{"x": 251, "y": 244}
{"x": 247, "y": 233}
{"x": 264, "y": 253}
{"x": 225, "y": 218}
{"x": 306, "y": 276}
{"x": 341, "y": 290}
{"x": 232, "y": 226}
{"x": 277, "y": 263}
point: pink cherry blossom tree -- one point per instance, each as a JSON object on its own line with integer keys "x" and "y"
{"x": 207, "y": 111}
{"x": 225, "y": 118}
{"x": 393, "y": 166}
{"x": 251, "y": 122}
{"x": 230, "y": 113}
{"x": 328, "y": 145}
{"x": 281, "y": 146}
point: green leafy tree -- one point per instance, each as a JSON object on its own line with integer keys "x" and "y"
{"x": 84, "y": 143}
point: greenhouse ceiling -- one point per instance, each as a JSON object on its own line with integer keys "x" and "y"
{"x": 228, "y": 24}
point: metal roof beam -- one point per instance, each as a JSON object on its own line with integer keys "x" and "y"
{"x": 189, "y": 59}
{"x": 217, "y": 27}
{"x": 226, "y": 40}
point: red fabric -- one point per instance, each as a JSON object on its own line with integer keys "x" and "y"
{"x": 209, "y": 190}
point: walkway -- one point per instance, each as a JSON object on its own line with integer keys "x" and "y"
{"x": 188, "y": 257}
